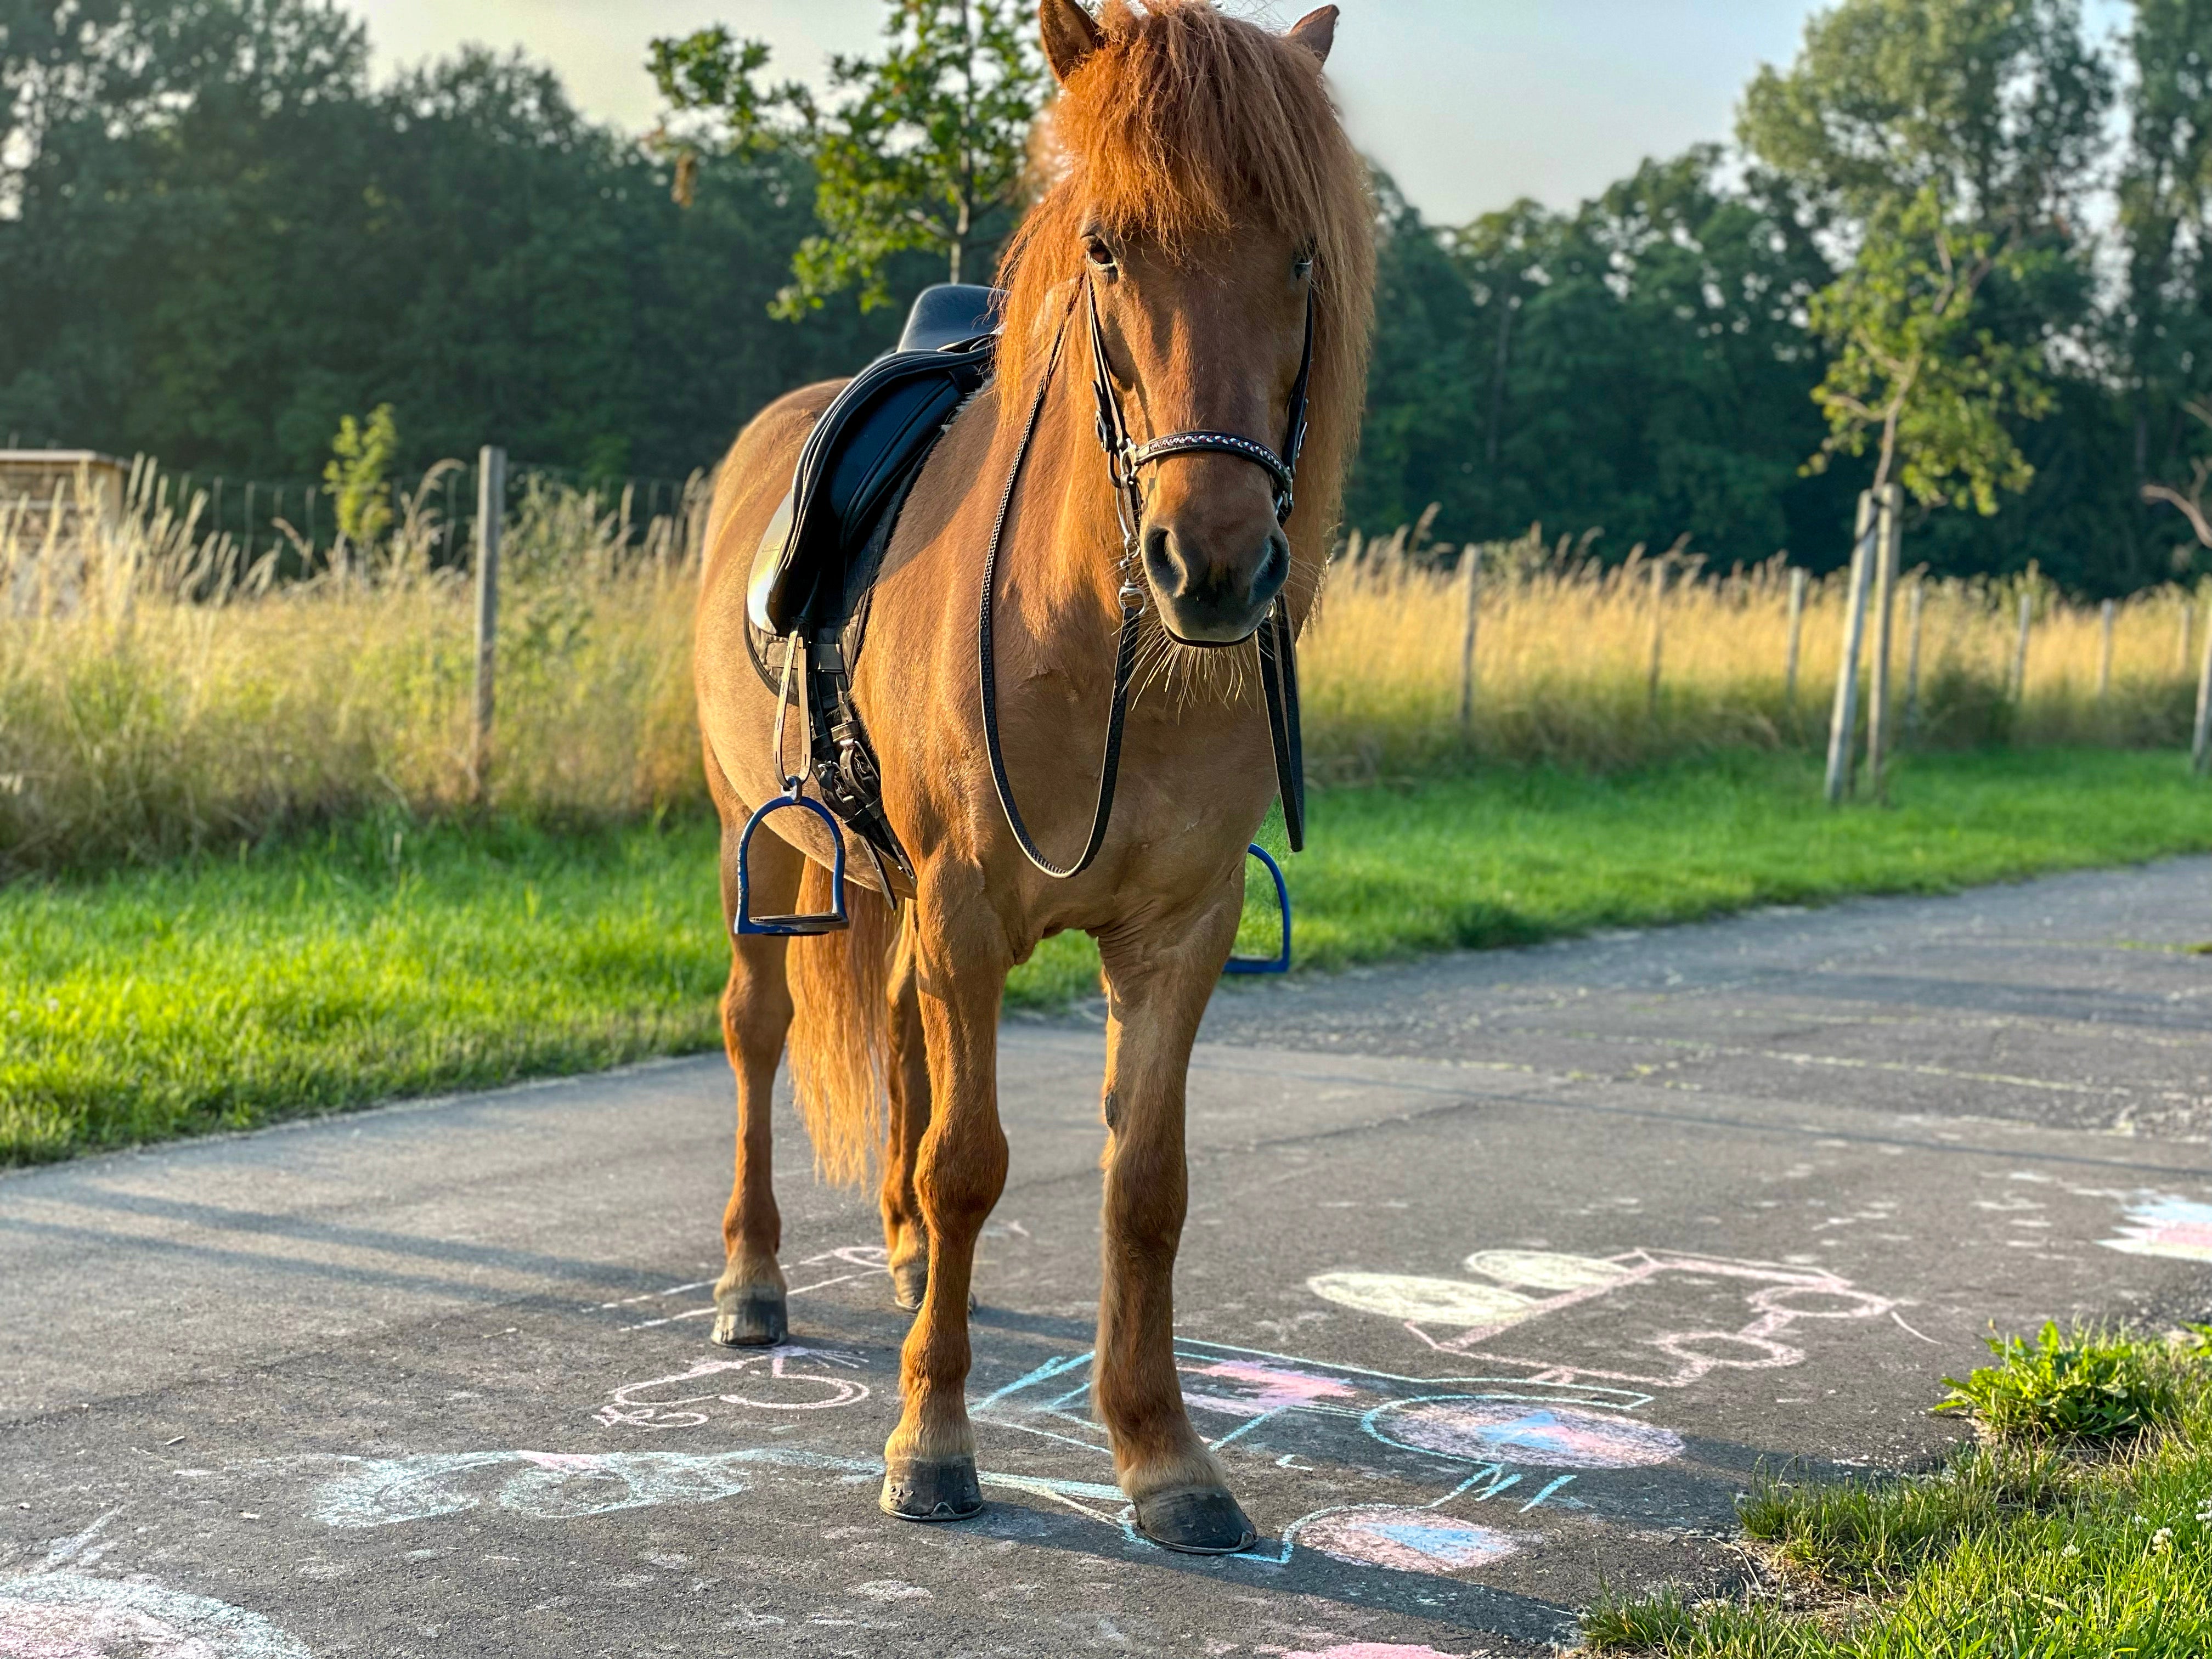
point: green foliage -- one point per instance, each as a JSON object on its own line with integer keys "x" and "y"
{"x": 1994, "y": 105}
{"x": 1914, "y": 367}
{"x": 1948, "y": 139}
{"x": 2005, "y": 1550}
{"x": 2090, "y": 1384}
{"x": 921, "y": 149}
{"x": 391, "y": 957}
{"x": 1639, "y": 365}
{"x": 358, "y": 475}
{"x": 225, "y": 237}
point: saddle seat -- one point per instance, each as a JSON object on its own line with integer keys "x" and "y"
{"x": 821, "y": 550}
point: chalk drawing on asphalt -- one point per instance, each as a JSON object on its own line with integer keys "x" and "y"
{"x": 377, "y": 1492}
{"x": 790, "y": 1378}
{"x": 1517, "y": 1287}
{"x": 1503, "y": 1442}
{"x": 2158, "y": 1224}
{"x": 70, "y": 1615}
{"x": 860, "y": 1260}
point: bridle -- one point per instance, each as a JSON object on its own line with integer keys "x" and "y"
{"x": 1125, "y": 460}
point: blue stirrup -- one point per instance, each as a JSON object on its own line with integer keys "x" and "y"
{"x": 828, "y": 921}
{"x": 1280, "y": 961}
{"x": 802, "y": 927}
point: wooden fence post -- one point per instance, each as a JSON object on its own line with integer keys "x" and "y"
{"x": 2020, "y": 647}
{"x": 2105, "y": 652}
{"x": 1658, "y": 627}
{"x": 1844, "y": 721}
{"x": 1913, "y": 602}
{"x": 2181, "y": 651}
{"x": 1472, "y": 557}
{"x": 491, "y": 506}
{"x": 1891, "y": 512}
{"x": 2200, "y": 749}
{"x": 1797, "y": 580}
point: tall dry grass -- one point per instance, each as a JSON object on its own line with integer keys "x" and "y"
{"x": 1565, "y": 650}
{"x": 160, "y": 693}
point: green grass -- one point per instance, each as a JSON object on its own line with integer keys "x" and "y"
{"x": 2015, "y": 1547}
{"x": 392, "y": 959}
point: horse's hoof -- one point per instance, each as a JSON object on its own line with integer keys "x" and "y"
{"x": 1204, "y": 1522}
{"x": 756, "y": 1320}
{"x": 909, "y": 1283}
{"x": 917, "y": 1491}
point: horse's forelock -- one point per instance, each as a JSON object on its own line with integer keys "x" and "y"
{"x": 1187, "y": 125}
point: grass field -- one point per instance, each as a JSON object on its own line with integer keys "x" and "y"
{"x": 390, "y": 959}
{"x": 2079, "y": 1527}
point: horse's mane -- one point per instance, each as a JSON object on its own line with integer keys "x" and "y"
{"x": 1185, "y": 125}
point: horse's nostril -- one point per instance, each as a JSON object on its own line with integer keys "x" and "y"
{"x": 1165, "y": 569}
{"x": 1274, "y": 567}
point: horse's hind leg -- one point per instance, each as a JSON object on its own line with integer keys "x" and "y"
{"x": 1158, "y": 986}
{"x": 750, "y": 1297}
{"x": 906, "y": 1237}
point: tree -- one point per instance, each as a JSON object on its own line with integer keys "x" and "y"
{"x": 1911, "y": 365}
{"x": 923, "y": 148}
{"x": 2163, "y": 332}
{"x": 358, "y": 474}
{"x": 1945, "y": 142}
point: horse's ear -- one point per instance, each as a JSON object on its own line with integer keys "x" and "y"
{"x": 1315, "y": 32}
{"x": 1070, "y": 35}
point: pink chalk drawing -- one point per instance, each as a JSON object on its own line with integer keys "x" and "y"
{"x": 1460, "y": 1316}
{"x": 2160, "y": 1223}
{"x": 1242, "y": 1388}
{"x": 1547, "y": 1436}
{"x": 1406, "y": 1540}
{"x": 68, "y": 1615}
{"x": 785, "y": 1379}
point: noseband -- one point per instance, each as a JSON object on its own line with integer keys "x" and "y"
{"x": 1125, "y": 461}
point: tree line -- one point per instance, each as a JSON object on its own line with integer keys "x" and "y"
{"x": 1957, "y": 243}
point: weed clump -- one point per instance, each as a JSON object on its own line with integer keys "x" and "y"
{"x": 2093, "y": 1385}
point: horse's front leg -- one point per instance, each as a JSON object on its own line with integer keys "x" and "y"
{"x": 929, "y": 1462}
{"x": 1158, "y": 977}
{"x": 906, "y": 1237}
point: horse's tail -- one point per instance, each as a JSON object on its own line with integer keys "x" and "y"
{"x": 839, "y": 1041}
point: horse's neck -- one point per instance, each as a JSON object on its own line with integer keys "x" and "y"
{"x": 1062, "y": 552}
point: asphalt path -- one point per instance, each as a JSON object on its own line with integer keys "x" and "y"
{"x": 1505, "y": 1274}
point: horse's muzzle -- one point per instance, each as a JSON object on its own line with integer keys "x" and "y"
{"x": 1211, "y": 600}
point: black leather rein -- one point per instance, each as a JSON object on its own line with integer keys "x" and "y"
{"x": 1278, "y": 646}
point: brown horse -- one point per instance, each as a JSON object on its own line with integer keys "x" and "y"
{"x": 1199, "y": 190}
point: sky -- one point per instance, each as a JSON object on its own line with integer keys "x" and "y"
{"x": 1469, "y": 104}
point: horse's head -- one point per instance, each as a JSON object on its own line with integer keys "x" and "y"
{"x": 1210, "y": 210}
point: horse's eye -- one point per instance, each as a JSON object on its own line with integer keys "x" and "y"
{"x": 1302, "y": 267}
{"x": 1099, "y": 254}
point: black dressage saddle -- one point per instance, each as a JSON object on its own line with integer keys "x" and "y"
{"x": 822, "y": 548}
